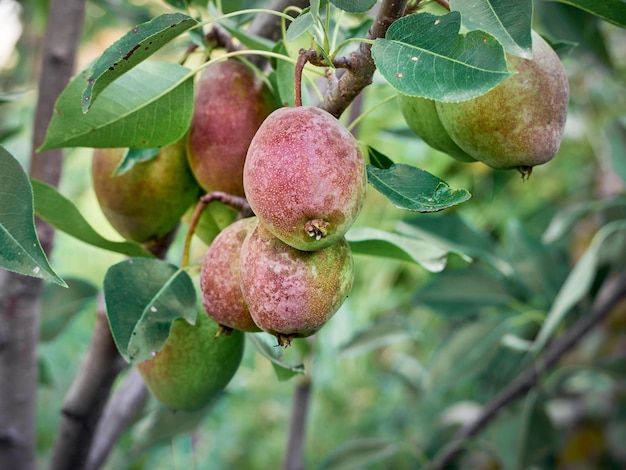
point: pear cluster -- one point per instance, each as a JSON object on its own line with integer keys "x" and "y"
{"x": 518, "y": 124}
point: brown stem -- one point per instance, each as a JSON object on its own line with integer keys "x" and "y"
{"x": 294, "y": 458}
{"x": 612, "y": 292}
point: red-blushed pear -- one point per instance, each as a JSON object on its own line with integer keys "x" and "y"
{"x": 293, "y": 293}
{"x": 147, "y": 202}
{"x": 519, "y": 123}
{"x": 195, "y": 364}
{"x": 305, "y": 177}
{"x": 231, "y": 102}
{"x": 220, "y": 280}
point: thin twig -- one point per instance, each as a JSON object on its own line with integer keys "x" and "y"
{"x": 294, "y": 458}
{"x": 611, "y": 293}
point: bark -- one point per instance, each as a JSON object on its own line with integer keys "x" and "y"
{"x": 20, "y": 297}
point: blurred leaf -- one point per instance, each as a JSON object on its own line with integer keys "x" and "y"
{"x": 462, "y": 292}
{"x": 54, "y": 208}
{"x": 44, "y": 375}
{"x": 148, "y": 107}
{"x": 578, "y": 283}
{"x": 509, "y": 22}
{"x": 410, "y": 188}
{"x": 354, "y": 6}
{"x": 303, "y": 23}
{"x": 61, "y": 305}
{"x": 20, "y": 250}
{"x": 143, "y": 298}
{"x": 131, "y": 49}
{"x": 10, "y": 96}
{"x": 267, "y": 346}
{"x": 613, "y": 11}
{"x": 616, "y": 135}
{"x": 376, "y": 335}
{"x": 375, "y": 242}
{"x": 180, "y": 4}
{"x": 358, "y": 453}
{"x": 378, "y": 159}
{"x": 133, "y": 156}
{"x": 424, "y": 55}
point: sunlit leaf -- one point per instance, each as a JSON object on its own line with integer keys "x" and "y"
{"x": 267, "y": 346}
{"x": 54, "y": 208}
{"x": 424, "y": 55}
{"x": 148, "y": 107}
{"x": 410, "y": 188}
{"x": 143, "y": 297}
{"x": 131, "y": 49}
{"x": 20, "y": 250}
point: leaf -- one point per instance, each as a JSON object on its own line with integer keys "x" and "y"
{"x": 131, "y": 49}
{"x": 613, "y": 11}
{"x": 148, "y": 107}
{"x": 378, "y": 159}
{"x": 509, "y": 22}
{"x": 354, "y": 6}
{"x": 410, "y": 188}
{"x": 55, "y": 209}
{"x": 616, "y": 136}
{"x": 10, "y": 96}
{"x": 577, "y": 284}
{"x": 267, "y": 346}
{"x": 303, "y": 23}
{"x": 61, "y": 305}
{"x": 143, "y": 298}
{"x": 375, "y": 242}
{"x": 282, "y": 79}
{"x": 20, "y": 250}
{"x": 376, "y": 335}
{"x": 359, "y": 453}
{"x": 423, "y": 55}
{"x": 133, "y": 156}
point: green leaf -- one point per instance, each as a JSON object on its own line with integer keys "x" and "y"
{"x": 410, "y": 188}
{"x": 20, "y": 250}
{"x": 131, "y": 49}
{"x": 375, "y": 242}
{"x": 616, "y": 136}
{"x": 10, "y": 96}
{"x": 376, "y": 335}
{"x": 378, "y": 159}
{"x": 358, "y": 454}
{"x": 509, "y": 22}
{"x": 463, "y": 292}
{"x": 267, "y": 346}
{"x": 303, "y": 23}
{"x": 143, "y": 298}
{"x": 282, "y": 79}
{"x": 61, "y": 305}
{"x": 354, "y": 6}
{"x": 54, "y": 208}
{"x": 423, "y": 55}
{"x": 148, "y": 107}
{"x": 577, "y": 284}
{"x": 133, "y": 156}
{"x": 613, "y": 11}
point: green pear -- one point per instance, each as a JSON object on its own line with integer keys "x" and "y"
{"x": 147, "y": 202}
{"x": 305, "y": 177}
{"x": 195, "y": 364}
{"x": 231, "y": 102}
{"x": 421, "y": 116}
{"x": 519, "y": 123}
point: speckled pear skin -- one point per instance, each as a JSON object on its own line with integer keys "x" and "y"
{"x": 293, "y": 293}
{"x": 231, "y": 102}
{"x": 194, "y": 366}
{"x": 519, "y": 123}
{"x": 147, "y": 202}
{"x": 220, "y": 281}
{"x": 421, "y": 116}
{"x": 304, "y": 177}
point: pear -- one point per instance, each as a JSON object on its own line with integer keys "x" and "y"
{"x": 220, "y": 281}
{"x": 519, "y": 123}
{"x": 147, "y": 202}
{"x": 231, "y": 102}
{"x": 304, "y": 177}
{"x": 293, "y": 293}
{"x": 421, "y": 116}
{"x": 194, "y": 366}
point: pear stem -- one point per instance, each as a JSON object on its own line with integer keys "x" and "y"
{"x": 238, "y": 202}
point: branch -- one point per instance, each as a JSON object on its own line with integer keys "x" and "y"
{"x": 612, "y": 292}
{"x": 361, "y": 68}
{"x": 297, "y": 425}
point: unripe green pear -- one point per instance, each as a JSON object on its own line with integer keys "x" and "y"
{"x": 518, "y": 124}
{"x": 194, "y": 366}
{"x": 304, "y": 177}
{"x": 145, "y": 203}
{"x": 220, "y": 280}
{"x": 421, "y": 116}
{"x": 293, "y": 293}
{"x": 231, "y": 102}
